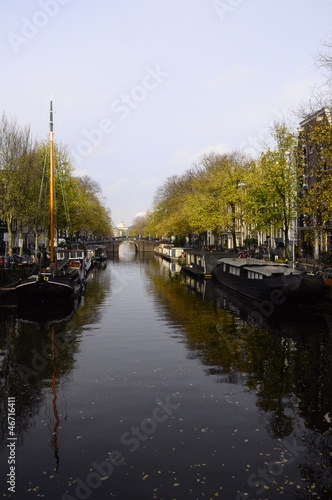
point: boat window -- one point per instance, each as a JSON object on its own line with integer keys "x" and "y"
{"x": 254, "y": 276}
{"x": 234, "y": 270}
{"x": 224, "y": 267}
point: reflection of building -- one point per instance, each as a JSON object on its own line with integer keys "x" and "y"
{"x": 121, "y": 230}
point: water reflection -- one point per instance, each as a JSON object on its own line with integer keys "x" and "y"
{"x": 286, "y": 361}
{"x": 281, "y": 358}
{"x": 121, "y": 347}
{"x": 38, "y": 346}
{"x": 127, "y": 250}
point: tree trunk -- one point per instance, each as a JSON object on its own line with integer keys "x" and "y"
{"x": 286, "y": 240}
{"x": 21, "y": 240}
{"x": 234, "y": 239}
{"x": 10, "y": 235}
{"x": 233, "y": 226}
{"x": 316, "y": 244}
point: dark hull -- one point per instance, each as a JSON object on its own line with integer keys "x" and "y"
{"x": 298, "y": 287}
{"x": 48, "y": 288}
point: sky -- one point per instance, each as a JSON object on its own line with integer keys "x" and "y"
{"x": 143, "y": 88}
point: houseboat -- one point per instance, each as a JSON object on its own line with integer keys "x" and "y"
{"x": 62, "y": 281}
{"x": 168, "y": 252}
{"x": 61, "y": 276}
{"x": 264, "y": 280}
{"x": 200, "y": 262}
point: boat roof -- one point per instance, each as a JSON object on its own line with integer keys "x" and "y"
{"x": 73, "y": 252}
{"x": 250, "y": 261}
{"x": 195, "y": 251}
{"x": 268, "y": 268}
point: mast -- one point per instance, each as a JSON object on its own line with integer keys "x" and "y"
{"x": 51, "y": 187}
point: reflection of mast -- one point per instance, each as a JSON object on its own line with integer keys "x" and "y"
{"x": 54, "y": 440}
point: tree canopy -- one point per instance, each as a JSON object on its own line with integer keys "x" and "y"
{"x": 24, "y": 184}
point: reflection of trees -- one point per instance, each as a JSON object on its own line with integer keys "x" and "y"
{"x": 316, "y": 467}
{"x": 12, "y": 384}
{"x": 279, "y": 366}
{"x": 271, "y": 378}
{"x": 289, "y": 368}
{"x": 42, "y": 343}
{"x": 27, "y": 369}
{"x": 313, "y": 368}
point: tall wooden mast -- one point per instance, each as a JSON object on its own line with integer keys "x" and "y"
{"x": 51, "y": 186}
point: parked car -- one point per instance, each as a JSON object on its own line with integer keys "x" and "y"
{"x": 20, "y": 260}
{"x": 8, "y": 262}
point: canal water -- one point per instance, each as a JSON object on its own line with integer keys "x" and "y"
{"x": 157, "y": 386}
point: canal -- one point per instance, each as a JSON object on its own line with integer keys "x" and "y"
{"x": 157, "y": 386}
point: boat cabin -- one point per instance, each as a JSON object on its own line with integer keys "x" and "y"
{"x": 65, "y": 254}
{"x": 253, "y": 268}
{"x": 168, "y": 252}
{"x": 201, "y": 262}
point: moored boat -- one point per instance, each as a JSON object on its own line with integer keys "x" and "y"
{"x": 63, "y": 277}
{"x": 75, "y": 258}
{"x": 97, "y": 253}
{"x": 264, "y": 280}
{"x": 169, "y": 252}
{"x": 49, "y": 286}
{"x": 200, "y": 262}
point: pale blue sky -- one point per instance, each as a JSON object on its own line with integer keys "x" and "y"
{"x": 142, "y": 88}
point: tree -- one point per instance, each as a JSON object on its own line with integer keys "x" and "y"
{"x": 216, "y": 199}
{"x": 320, "y": 96}
{"x": 78, "y": 207}
{"x": 17, "y": 173}
{"x": 169, "y": 215}
{"x": 86, "y": 210}
{"x": 139, "y": 226}
{"x": 272, "y": 185}
{"x": 324, "y": 61}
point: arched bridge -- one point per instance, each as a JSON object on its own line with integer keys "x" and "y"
{"x": 141, "y": 246}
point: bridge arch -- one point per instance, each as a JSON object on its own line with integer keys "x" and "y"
{"x": 112, "y": 247}
{"x": 130, "y": 241}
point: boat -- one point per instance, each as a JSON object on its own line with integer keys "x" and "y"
{"x": 75, "y": 258}
{"x": 265, "y": 280}
{"x": 98, "y": 253}
{"x": 200, "y": 262}
{"x": 63, "y": 278}
{"x": 169, "y": 252}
